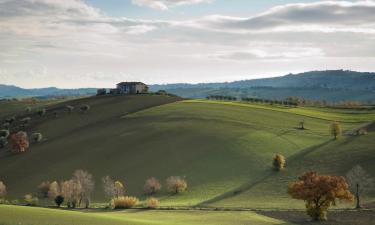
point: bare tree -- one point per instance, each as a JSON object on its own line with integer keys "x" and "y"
{"x": 85, "y": 180}
{"x": 359, "y": 181}
{"x": 43, "y": 189}
{"x": 3, "y": 190}
{"x": 109, "y": 187}
{"x": 112, "y": 189}
{"x": 176, "y": 184}
{"x": 152, "y": 185}
{"x": 71, "y": 192}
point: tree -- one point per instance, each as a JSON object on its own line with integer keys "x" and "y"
{"x": 3, "y": 190}
{"x": 59, "y": 200}
{"x": 112, "y": 189}
{"x": 54, "y": 190}
{"x": 42, "y": 112}
{"x": 278, "y": 162}
{"x": 335, "y": 130}
{"x": 71, "y": 192}
{"x": 37, "y": 137}
{"x": 176, "y": 184}
{"x": 20, "y": 142}
{"x": 109, "y": 187}
{"x": 85, "y": 181}
{"x": 119, "y": 189}
{"x": 359, "y": 182}
{"x": 302, "y": 125}
{"x": 152, "y": 185}
{"x": 319, "y": 192}
{"x": 43, "y": 189}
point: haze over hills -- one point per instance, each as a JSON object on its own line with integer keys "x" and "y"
{"x": 330, "y": 85}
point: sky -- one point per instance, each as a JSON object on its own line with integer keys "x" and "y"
{"x": 98, "y": 43}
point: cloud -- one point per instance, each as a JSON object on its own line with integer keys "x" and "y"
{"x": 166, "y": 4}
{"x": 325, "y": 16}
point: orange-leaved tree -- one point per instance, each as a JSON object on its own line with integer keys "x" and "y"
{"x": 319, "y": 192}
{"x": 20, "y": 142}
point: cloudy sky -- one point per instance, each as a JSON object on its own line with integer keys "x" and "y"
{"x": 97, "y": 43}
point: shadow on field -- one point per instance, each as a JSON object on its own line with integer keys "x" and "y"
{"x": 348, "y": 217}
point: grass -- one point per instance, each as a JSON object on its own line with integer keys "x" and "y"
{"x": 12, "y": 215}
{"x": 223, "y": 148}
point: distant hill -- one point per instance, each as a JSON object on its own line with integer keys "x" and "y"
{"x": 331, "y": 85}
{"x": 10, "y": 91}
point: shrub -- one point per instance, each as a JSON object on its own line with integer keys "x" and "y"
{"x": 42, "y": 112}
{"x": 6, "y": 125}
{"x": 11, "y": 120}
{"x": 20, "y": 142}
{"x": 30, "y": 200}
{"x": 3, "y": 190}
{"x": 43, "y": 189}
{"x": 25, "y": 120}
{"x": 152, "y": 185}
{"x": 126, "y": 202}
{"x": 3, "y": 142}
{"x": 84, "y": 108}
{"x": 37, "y": 137}
{"x": 176, "y": 184}
{"x": 319, "y": 192}
{"x": 152, "y": 203}
{"x": 59, "y": 200}
{"x": 70, "y": 108}
{"x": 335, "y": 130}
{"x": 278, "y": 162}
{"x": 4, "y": 133}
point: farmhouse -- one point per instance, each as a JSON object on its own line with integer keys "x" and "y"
{"x": 128, "y": 88}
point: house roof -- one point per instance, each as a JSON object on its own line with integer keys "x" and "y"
{"x": 130, "y": 83}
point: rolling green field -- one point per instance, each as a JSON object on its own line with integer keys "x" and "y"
{"x": 12, "y": 215}
{"x": 223, "y": 148}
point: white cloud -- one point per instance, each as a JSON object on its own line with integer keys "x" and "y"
{"x": 73, "y": 43}
{"x": 166, "y": 4}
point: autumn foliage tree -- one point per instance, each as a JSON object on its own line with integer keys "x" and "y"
{"x": 152, "y": 186}
{"x": 278, "y": 162}
{"x": 176, "y": 184}
{"x": 335, "y": 129}
{"x": 319, "y": 192}
{"x": 20, "y": 142}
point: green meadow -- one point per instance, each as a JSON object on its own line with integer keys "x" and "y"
{"x": 224, "y": 149}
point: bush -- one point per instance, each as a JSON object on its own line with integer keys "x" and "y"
{"x": 4, "y": 133}
{"x": 37, "y": 137}
{"x": 30, "y": 200}
{"x": 25, "y": 120}
{"x": 152, "y": 185}
{"x": 3, "y": 142}
{"x": 152, "y": 203}
{"x": 3, "y": 190}
{"x": 42, "y": 112}
{"x": 126, "y": 202}
{"x": 6, "y": 125}
{"x": 84, "y": 108}
{"x": 278, "y": 162}
{"x": 176, "y": 184}
{"x": 43, "y": 189}
{"x": 11, "y": 120}
{"x": 70, "y": 108}
{"x": 59, "y": 200}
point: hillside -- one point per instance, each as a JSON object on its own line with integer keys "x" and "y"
{"x": 224, "y": 149}
{"x": 331, "y": 85}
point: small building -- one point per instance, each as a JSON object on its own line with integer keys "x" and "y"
{"x": 129, "y": 88}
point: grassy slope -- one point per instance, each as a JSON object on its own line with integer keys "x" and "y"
{"x": 219, "y": 147}
{"x": 11, "y": 215}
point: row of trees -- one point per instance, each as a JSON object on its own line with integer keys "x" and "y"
{"x": 79, "y": 188}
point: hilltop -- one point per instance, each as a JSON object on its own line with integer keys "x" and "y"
{"x": 223, "y": 148}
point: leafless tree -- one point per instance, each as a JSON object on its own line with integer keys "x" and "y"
{"x": 359, "y": 182}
